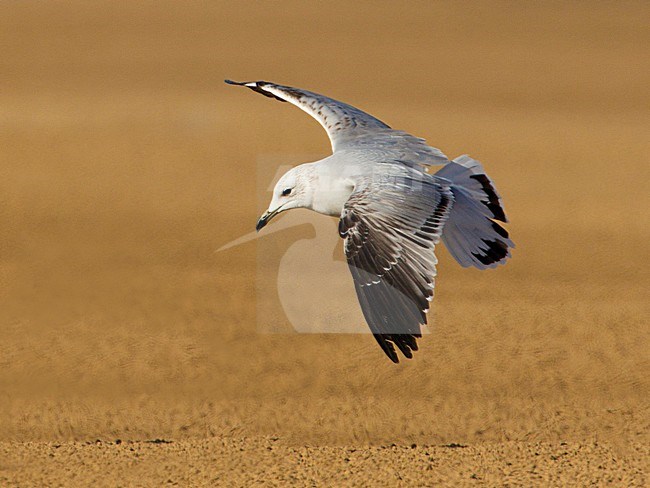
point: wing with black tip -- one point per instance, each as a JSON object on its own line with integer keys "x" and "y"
{"x": 349, "y": 128}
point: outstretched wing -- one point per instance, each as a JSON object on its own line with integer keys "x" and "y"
{"x": 351, "y": 128}
{"x": 337, "y": 118}
{"x": 390, "y": 226}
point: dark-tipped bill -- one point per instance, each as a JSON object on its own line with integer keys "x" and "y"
{"x": 264, "y": 219}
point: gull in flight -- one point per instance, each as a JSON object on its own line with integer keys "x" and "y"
{"x": 391, "y": 211}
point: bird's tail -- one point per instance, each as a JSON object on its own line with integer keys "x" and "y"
{"x": 472, "y": 233}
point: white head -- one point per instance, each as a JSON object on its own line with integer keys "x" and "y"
{"x": 294, "y": 190}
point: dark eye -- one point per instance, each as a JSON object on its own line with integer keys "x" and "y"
{"x": 286, "y": 192}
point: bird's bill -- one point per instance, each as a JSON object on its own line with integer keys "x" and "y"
{"x": 265, "y": 218}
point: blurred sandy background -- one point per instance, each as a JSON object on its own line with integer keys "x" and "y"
{"x": 125, "y": 162}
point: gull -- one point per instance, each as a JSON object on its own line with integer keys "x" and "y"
{"x": 392, "y": 212}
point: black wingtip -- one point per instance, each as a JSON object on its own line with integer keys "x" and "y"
{"x": 406, "y": 343}
{"x": 387, "y": 347}
{"x": 256, "y": 86}
{"x": 392, "y": 356}
{"x": 493, "y": 203}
